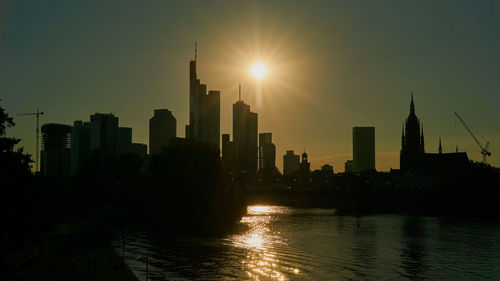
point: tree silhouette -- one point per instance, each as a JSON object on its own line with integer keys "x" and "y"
{"x": 15, "y": 179}
{"x": 14, "y": 164}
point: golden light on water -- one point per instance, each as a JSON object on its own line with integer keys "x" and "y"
{"x": 260, "y": 242}
{"x": 264, "y": 210}
{"x": 259, "y": 70}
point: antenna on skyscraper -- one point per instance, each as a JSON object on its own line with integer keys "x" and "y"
{"x": 239, "y": 92}
{"x": 195, "y": 50}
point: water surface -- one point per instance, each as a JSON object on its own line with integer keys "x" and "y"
{"x": 282, "y": 243}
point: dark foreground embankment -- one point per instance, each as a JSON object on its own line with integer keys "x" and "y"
{"x": 78, "y": 250}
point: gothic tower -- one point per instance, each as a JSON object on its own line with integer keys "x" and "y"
{"x": 412, "y": 141}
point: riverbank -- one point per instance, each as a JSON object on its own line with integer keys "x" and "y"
{"x": 76, "y": 250}
{"x": 435, "y": 201}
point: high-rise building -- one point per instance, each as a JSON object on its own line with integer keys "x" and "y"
{"x": 228, "y": 153}
{"x": 245, "y": 128}
{"x": 104, "y": 135}
{"x": 124, "y": 140}
{"x": 363, "y": 148}
{"x": 291, "y": 163}
{"x": 212, "y": 121}
{"x": 267, "y": 152}
{"x": 204, "y": 110}
{"x": 80, "y": 145}
{"x": 56, "y": 151}
{"x": 253, "y": 145}
{"x": 194, "y": 100}
{"x": 162, "y": 128}
{"x": 226, "y": 141}
{"x": 265, "y": 138}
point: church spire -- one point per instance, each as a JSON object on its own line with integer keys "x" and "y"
{"x": 440, "y": 149}
{"x": 412, "y": 105}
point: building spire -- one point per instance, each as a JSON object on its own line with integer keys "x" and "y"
{"x": 440, "y": 149}
{"x": 412, "y": 105}
{"x": 195, "y": 51}
{"x": 239, "y": 92}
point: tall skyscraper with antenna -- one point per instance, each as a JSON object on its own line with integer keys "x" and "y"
{"x": 245, "y": 127}
{"x": 204, "y": 110}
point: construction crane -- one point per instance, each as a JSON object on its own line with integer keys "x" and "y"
{"x": 484, "y": 149}
{"x": 37, "y": 115}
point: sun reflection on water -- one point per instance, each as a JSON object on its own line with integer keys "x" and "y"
{"x": 265, "y": 210}
{"x": 260, "y": 241}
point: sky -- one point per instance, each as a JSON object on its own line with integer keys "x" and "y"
{"x": 332, "y": 65}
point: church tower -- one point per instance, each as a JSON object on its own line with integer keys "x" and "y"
{"x": 412, "y": 141}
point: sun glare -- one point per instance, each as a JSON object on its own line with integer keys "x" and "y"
{"x": 259, "y": 70}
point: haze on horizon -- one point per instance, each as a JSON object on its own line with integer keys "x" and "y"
{"x": 332, "y": 65}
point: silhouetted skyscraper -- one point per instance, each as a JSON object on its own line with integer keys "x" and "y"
{"x": 212, "y": 122}
{"x": 56, "y": 151}
{"x": 412, "y": 141}
{"x": 265, "y": 138}
{"x": 267, "y": 152}
{"x": 80, "y": 145}
{"x": 124, "y": 140}
{"x": 204, "y": 110}
{"x": 228, "y": 154}
{"x": 192, "y": 130}
{"x": 253, "y": 145}
{"x": 291, "y": 162}
{"x": 226, "y": 141}
{"x": 363, "y": 148}
{"x": 104, "y": 134}
{"x": 245, "y": 137}
{"x": 162, "y": 128}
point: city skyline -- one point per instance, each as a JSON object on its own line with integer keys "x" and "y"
{"x": 314, "y": 111}
{"x": 250, "y": 140}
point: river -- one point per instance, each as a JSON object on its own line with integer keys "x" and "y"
{"x": 282, "y": 243}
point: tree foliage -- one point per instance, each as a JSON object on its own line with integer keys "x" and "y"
{"x": 14, "y": 163}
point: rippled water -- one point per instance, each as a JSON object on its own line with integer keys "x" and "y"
{"x": 281, "y": 243}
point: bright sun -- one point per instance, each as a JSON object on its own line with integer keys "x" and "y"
{"x": 259, "y": 70}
